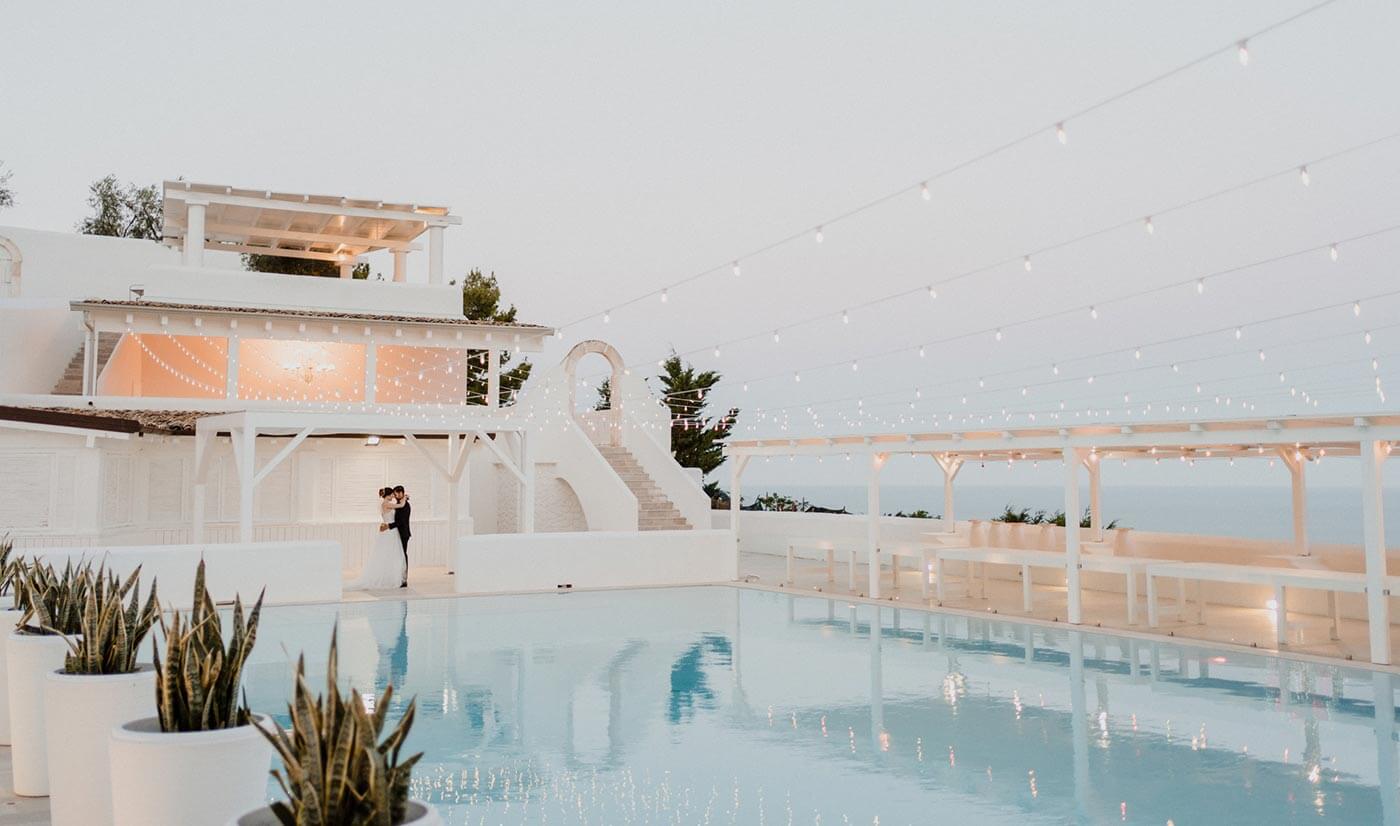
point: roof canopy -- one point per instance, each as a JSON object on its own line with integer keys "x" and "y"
{"x": 318, "y": 227}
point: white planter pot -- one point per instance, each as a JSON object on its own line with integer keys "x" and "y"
{"x": 418, "y": 814}
{"x": 187, "y": 777}
{"x": 32, "y": 657}
{"x": 8, "y": 618}
{"x": 81, "y": 710}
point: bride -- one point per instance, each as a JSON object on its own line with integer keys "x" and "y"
{"x": 383, "y": 567}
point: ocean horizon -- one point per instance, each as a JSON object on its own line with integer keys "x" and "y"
{"x": 1253, "y": 512}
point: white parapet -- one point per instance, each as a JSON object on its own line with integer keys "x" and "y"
{"x": 290, "y": 571}
{"x": 507, "y": 563}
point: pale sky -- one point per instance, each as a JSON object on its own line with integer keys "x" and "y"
{"x": 598, "y": 152}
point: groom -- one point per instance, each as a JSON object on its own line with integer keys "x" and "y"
{"x": 401, "y": 524}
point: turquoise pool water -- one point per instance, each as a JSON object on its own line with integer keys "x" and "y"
{"x": 723, "y": 705}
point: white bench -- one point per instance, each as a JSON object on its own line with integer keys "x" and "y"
{"x": 1126, "y": 566}
{"x": 1280, "y": 579}
{"x": 796, "y": 545}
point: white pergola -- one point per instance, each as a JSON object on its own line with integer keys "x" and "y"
{"x": 1294, "y": 440}
{"x": 509, "y": 443}
{"x": 291, "y": 225}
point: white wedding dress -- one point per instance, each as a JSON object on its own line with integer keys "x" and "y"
{"x": 383, "y": 567}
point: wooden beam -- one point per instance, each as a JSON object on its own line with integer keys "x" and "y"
{"x": 297, "y": 235}
{"x": 273, "y": 205}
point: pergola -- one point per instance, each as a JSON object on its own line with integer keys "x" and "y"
{"x": 509, "y": 443}
{"x": 288, "y": 225}
{"x": 1294, "y": 440}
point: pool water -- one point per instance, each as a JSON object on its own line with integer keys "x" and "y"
{"x": 724, "y": 705}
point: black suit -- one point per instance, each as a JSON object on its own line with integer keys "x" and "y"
{"x": 401, "y": 524}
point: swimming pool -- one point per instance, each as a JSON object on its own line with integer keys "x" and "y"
{"x": 728, "y": 705}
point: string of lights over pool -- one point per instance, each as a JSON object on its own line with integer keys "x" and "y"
{"x": 1059, "y": 128}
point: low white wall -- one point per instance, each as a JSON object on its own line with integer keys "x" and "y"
{"x": 204, "y": 285}
{"x": 597, "y": 559}
{"x": 770, "y": 532}
{"x": 290, "y": 571}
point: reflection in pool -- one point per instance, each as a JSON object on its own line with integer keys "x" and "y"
{"x": 725, "y": 705}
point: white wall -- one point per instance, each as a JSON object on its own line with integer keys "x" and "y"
{"x": 595, "y": 559}
{"x": 206, "y": 285}
{"x": 289, "y": 571}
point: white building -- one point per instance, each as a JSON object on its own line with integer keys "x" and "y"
{"x": 116, "y": 349}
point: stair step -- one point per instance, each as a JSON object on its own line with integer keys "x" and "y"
{"x": 655, "y": 511}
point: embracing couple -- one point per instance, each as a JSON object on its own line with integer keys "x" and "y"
{"x": 387, "y": 563}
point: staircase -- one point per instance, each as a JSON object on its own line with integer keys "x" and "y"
{"x": 654, "y": 511}
{"x": 72, "y": 382}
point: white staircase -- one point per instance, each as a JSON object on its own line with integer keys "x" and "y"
{"x": 654, "y": 511}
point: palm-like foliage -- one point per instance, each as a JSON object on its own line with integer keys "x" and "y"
{"x": 111, "y": 635}
{"x": 197, "y": 689}
{"x": 52, "y": 602}
{"x": 338, "y": 771}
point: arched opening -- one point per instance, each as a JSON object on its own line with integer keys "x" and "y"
{"x": 608, "y": 420}
{"x": 10, "y": 260}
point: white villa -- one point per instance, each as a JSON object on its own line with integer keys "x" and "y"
{"x": 155, "y": 394}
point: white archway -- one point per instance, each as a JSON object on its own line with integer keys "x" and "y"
{"x": 609, "y": 352}
{"x": 10, "y": 260}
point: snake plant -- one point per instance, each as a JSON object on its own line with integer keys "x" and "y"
{"x": 9, "y": 565}
{"x": 111, "y": 635}
{"x": 197, "y": 688}
{"x": 338, "y": 770}
{"x": 52, "y": 602}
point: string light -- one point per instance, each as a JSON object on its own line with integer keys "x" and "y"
{"x": 932, "y": 293}
{"x": 1244, "y": 52}
{"x": 820, "y": 236}
{"x": 607, "y": 316}
{"x": 1333, "y": 252}
{"x": 1026, "y": 262}
{"x": 1200, "y": 286}
{"x": 776, "y": 337}
{"x": 1060, "y": 133}
{"x": 663, "y": 297}
{"x": 998, "y": 334}
{"x": 1239, "y": 333}
{"x": 735, "y": 268}
{"x": 1261, "y": 355}
{"x": 921, "y": 351}
{"x": 845, "y": 317}
{"x": 1303, "y": 177}
{"x": 923, "y": 190}
{"x": 1147, "y": 225}
{"x": 1356, "y": 308}
{"x": 1093, "y": 312}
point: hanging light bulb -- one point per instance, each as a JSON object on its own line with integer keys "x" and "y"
{"x": 1333, "y": 251}
{"x": 746, "y": 387}
{"x": 1198, "y": 389}
{"x": 1026, "y": 262}
{"x": 663, "y": 297}
{"x": 1055, "y": 369}
{"x": 1060, "y": 133}
{"x": 776, "y": 338}
{"x": 1303, "y": 177}
{"x": 1239, "y": 333}
{"x": 797, "y": 377}
{"x": 1091, "y": 380}
{"x": 845, "y": 317}
{"x": 735, "y": 268}
{"x": 1261, "y": 355}
{"x": 932, "y": 293}
{"x": 998, "y": 334}
{"x": 1281, "y": 378}
{"x": 1147, "y": 225}
{"x": 1368, "y": 336}
{"x": 1356, "y": 308}
{"x": 855, "y": 367}
{"x": 1176, "y": 368}
{"x": 923, "y": 190}
{"x": 921, "y": 351}
{"x": 1137, "y": 354}
{"x": 607, "y": 316}
{"x": 1093, "y": 313}
{"x": 1200, "y": 286}
{"x": 981, "y": 382}
{"x": 1244, "y": 52}
{"x": 820, "y": 236}
{"x": 716, "y": 351}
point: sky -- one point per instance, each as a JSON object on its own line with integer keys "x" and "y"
{"x": 600, "y": 152}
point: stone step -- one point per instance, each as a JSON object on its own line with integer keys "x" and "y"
{"x": 655, "y": 512}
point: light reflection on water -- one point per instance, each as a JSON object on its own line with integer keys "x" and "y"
{"x": 721, "y": 705}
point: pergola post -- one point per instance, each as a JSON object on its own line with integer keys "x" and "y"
{"x": 872, "y": 520}
{"x": 371, "y": 371}
{"x": 231, "y": 370}
{"x": 736, "y": 502}
{"x": 1071, "y": 460}
{"x": 192, "y": 248}
{"x": 200, "y": 480}
{"x": 527, "y": 485}
{"x": 435, "y": 254}
{"x": 90, "y": 360}
{"x": 400, "y": 266}
{"x": 1373, "y": 455}
{"x": 244, "y": 445}
{"x": 1095, "y": 467}
{"x": 1296, "y": 465}
{"x": 347, "y": 266}
{"x": 950, "y": 465}
{"x": 493, "y": 378}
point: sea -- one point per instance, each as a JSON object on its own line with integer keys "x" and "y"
{"x": 1260, "y": 512}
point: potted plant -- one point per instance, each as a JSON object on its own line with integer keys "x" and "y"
{"x": 10, "y": 566}
{"x": 100, "y": 686}
{"x": 339, "y": 771}
{"x": 201, "y": 758}
{"x": 53, "y": 611}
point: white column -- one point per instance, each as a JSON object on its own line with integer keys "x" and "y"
{"x": 527, "y": 490}
{"x": 435, "y": 255}
{"x": 90, "y": 360}
{"x": 736, "y": 505}
{"x": 193, "y": 247}
{"x": 1297, "y": 466}
{"x": 872, "y": 521}
{"x": 950, "y": 466}
{"x": 200, "y": 480}
{"x": 347, "y": 266}
{"x": 400, "y": 266}
{"x": 1071, "y": 459}
{"x": 1373, "y": 455}
{"x": 1095, "y": 467}
{"x": 231, "y": 369}
{"x": 371, "y": 371}
{"x": 246, "y": 442}
{"x": 493, "y": 378}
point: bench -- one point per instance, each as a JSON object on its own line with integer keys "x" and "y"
{"x": 1280, "y": 579}
{"x": 830, "y": 548}
{"x": 1128, "y": 567}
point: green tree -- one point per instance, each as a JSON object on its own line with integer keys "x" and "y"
{"x": 697, "y": 440}
{"x": 129, "y": 211}
{"x": 481, "y": 301}
{"x": 301, "y": 266}
{"x": 7, "y": 195}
